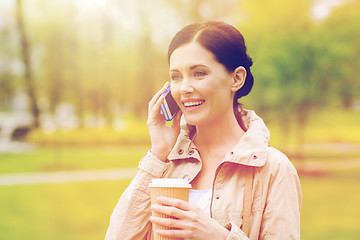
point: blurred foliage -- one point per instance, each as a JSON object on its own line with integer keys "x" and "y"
{"x": 94, "y": 148}
{"x": 133, "y": 132}
{"x": 108, "y": 58}
{"x": 344, "y": 127}
{"x": 301, "y": 65}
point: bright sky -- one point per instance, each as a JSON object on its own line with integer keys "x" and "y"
{"x": 126, "y": 12}
{"x": 322, "y": 8}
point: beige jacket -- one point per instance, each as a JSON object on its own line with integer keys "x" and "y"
{"x": 276, "y": 189}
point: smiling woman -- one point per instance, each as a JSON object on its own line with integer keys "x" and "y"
{"x": 203, "y": 91}
{"x": 247, "y": 189}
{"x": 223, "y": 47}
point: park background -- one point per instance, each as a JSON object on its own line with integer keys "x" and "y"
{"x": 76, "y": 77}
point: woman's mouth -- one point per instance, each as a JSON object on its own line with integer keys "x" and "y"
{"x": 193, "y": 105}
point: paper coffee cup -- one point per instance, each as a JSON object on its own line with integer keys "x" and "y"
{"x": 168, "y": 187}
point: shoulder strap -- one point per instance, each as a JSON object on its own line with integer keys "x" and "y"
{"x": 247, "y": 200}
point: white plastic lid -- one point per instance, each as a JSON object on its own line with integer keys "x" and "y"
{"x": 170, "y": 182}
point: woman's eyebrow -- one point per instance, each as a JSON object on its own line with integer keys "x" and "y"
{"x": 192, "y": 67}
{"x": 196, "y": 66}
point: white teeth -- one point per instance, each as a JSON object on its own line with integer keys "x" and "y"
{"x": 191, "y": 104}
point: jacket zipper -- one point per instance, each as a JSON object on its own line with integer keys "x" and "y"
{"x": 213, "y": 186}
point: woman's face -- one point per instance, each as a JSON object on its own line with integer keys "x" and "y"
{"x": 200, "y": 85}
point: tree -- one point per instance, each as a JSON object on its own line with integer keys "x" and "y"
{"x": 342, "y": 31}
{"x": 25, "y": 52}
{"x": 292, "y": 79}
{"x": 6, "y": 83}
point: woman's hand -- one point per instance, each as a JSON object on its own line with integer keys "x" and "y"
{"x": 190, "y": 221}
{"x": 162, "y": 136}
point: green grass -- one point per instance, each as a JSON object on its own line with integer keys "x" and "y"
{"x": 77, "y": 211}
{"x": 58, "y": 211}
{"x": 330, "y": 208}
{"x": 69, "y": 158}
{"x": 47, "y": 159}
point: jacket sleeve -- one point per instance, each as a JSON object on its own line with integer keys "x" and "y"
{"x": 281, "y": 218}
{"x": 130, "y": 218}
{"x": 236, "y": 233}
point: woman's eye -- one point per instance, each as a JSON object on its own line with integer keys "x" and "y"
{"x": 175, "y": 77}
{"x": 199, "y": 74}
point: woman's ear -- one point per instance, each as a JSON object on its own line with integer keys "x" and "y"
{"x": 239, "y": 76}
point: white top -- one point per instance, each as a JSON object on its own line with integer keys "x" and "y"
{"x": 201, "y": 198}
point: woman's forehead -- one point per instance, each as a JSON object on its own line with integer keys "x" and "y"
{"x": 191, "y": 55}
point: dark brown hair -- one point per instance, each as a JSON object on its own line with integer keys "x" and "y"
{"x": 227, "y": 44}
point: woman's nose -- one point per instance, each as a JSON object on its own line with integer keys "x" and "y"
{"x": 186, "y": 86}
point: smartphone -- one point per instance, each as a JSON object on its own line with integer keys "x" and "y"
{"x": 168, "y": 107}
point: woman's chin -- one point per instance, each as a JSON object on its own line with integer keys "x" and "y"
{"x": 193, "y": 119}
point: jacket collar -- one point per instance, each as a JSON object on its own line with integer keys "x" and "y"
{"x": 251, "y": 150}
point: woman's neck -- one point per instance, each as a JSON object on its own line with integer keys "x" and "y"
{"x": 223, "y": 133}
{"x": 213, "y": 141}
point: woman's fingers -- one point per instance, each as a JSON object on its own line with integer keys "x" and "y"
{"x": 169, "y": 211}
{"x": 186, "y": 221}
{"x": 180, "y": 204}
{"x": 174, "y": 207}
{"x": 180, "y": 221}
{"x": 169, "y": 222}
{"x": 155, "y": 100}
{"x": 175, "y": 232}
{"x": 162, "y": 136}
{"x": 184, "y": 218}
{"x": 177, "y": 119}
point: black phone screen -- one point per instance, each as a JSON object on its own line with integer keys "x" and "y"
{"x": 173, "y": 107}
